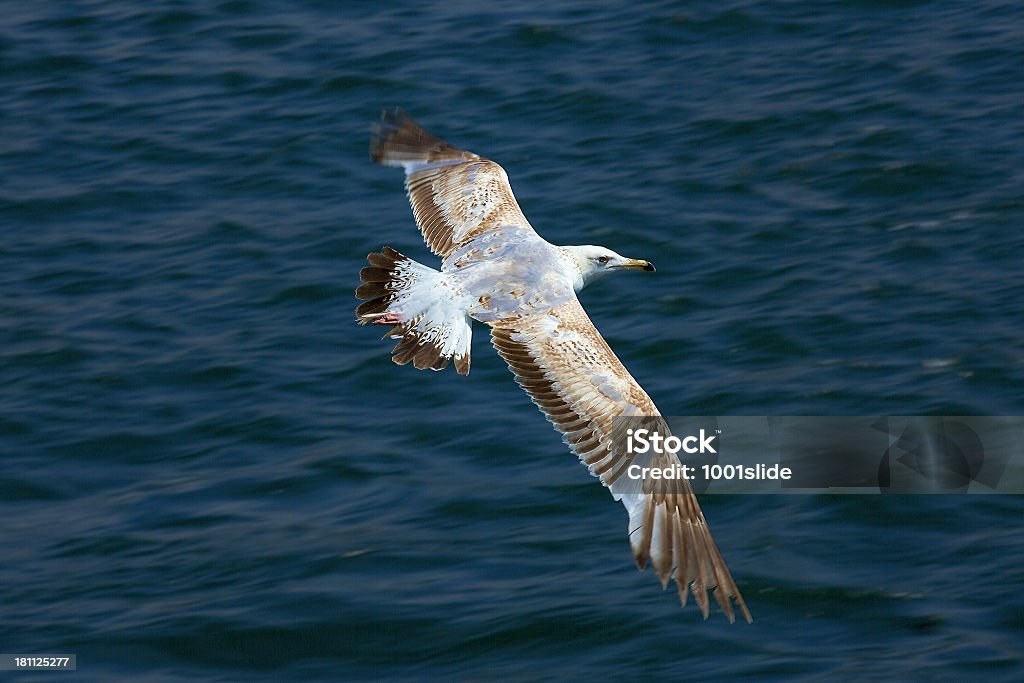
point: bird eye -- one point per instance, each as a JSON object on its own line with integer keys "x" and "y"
{"x": 602, "y": 259}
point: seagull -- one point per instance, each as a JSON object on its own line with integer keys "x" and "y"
{"x": 496, "y": 270}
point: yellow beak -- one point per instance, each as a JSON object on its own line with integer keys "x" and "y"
{"x": 637, "y": 264}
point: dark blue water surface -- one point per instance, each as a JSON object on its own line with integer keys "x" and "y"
{"x": 210, "y": 472}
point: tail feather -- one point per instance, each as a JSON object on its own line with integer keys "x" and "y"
{"x": 428, "y": 314}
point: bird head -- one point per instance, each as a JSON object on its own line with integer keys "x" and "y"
{"x": 593, "y": 262}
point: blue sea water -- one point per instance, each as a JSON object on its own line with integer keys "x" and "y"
{"x": 209, "y": 472}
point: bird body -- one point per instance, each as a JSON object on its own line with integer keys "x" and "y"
{"x": 497, "y": 270}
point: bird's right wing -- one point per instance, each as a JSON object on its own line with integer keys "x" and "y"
{"x": 573, "y": 376}
{"x": 455, "y": 195}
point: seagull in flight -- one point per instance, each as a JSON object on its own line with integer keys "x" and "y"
{"x": 496, "y": 270}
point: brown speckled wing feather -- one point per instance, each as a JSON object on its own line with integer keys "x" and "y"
{"x": 455, "y": 195}
{"x": 573, "y": 376}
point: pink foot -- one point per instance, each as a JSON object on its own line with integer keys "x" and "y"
{"x": 387, "y": 319}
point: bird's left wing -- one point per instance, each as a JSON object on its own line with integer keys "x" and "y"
{"x": 571, "y": 373}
